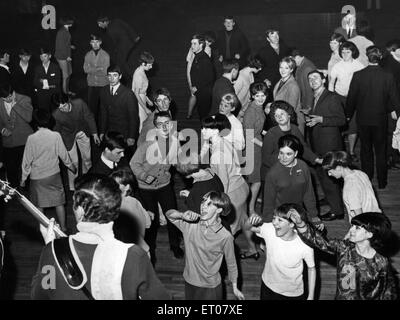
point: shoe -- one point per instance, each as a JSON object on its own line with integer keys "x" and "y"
{"x": 331, "y": 216}
{"x": 246, "y": 255}
{"x": 178, "y": 252}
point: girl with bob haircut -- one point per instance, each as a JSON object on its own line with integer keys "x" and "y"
{"x": 289, "y": 181}
{"x": 358, "y": 194}
{"x": 363, "y": 273}
{"x": 224, "y": 161}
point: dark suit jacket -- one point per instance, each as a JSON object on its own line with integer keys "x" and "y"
{"x": 5, "y": 77}
{"x": 238, "y": 44}
{"x": 202, "y": 71}
{"x": 326, "y": 136}
{"x": 119, "y": 112}
{"x": 53, "y": 77}
{"x": 393, "y": 66}
{"x": 100, "y": 168}
{"x": 373, "y": 95}
{"x": 23, "y": 82}
{"x": 270, "y": 60}
{"x": 221, "y": 86}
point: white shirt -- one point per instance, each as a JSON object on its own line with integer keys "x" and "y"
{"x": 343, "y": 73}
{"x": 236, "y": 136}
{"x": 115, "y": 88}
{"x": 358, "y": 193}
{"x": 24, "y": 67}
{"x": 283, "y": 271}
{"x": 107, "y": 162}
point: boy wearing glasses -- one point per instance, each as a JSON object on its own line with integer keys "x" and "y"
{"x": 151, "y": 165}
{"x": 95, "y": 66}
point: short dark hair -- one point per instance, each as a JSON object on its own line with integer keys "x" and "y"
{"x": 270, "y": 30}
{"x": 6, "y": 91}
{"x": 254, "y": 62}
{"x": 42, "y": 118}
{"x": 103, "y": 18}
{"x": 160, "y": 114}
{"x": 338, "y": 37}
{"x": 162, "y": 91}
{"x": 220, "y": 200}
{"x": 333, "y": 159}
{"x": 24, "y": 52}
{"x": 125, "y": 177}
{"x": 66, "y": 20}
{"x": 3, "y": 52}
{"x": 146, "y": 57}
{"x": 229, "y": 65}
{"x": 290, "y": 141}
{"x": 258, "y": 87}
{"x": 210, "y": 36}
{"x": 200, "y": 38}
{"x": 113, "y": 140}
{"x": 60, "y": 98}
{"x": 378, "y": 224}
{"x": 114, "y": 68}
{"x": 283, "y": 210}
{"x": 229, "y": 17}
{"x": 217, "y": 121}
{"x": 44, "y": 50}
{"x": 95, "y": 36}
{"x": 283, "y": 105}
{"x": 355, "y": 53}
{"x": 321, "y": 74}
{"x": 99, "y": 196}
{"x": 296, "y": 52}
{"x": 374, "y": 54}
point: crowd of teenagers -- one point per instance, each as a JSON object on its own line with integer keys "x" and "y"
{"x": 273, "y": 131}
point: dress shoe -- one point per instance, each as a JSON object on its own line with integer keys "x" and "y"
{"x": 178, "y": 252}
{"x": 246, "y": 255}
{"x": 331, "y": 216}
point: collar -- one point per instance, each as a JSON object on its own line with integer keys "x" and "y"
{"x": 107, "y": 162}
{"x": 46, "y": 66}
{"x": 93, "y": 232}
{"x": 319, "y": 93}
{"x": 217, "y": 226}
{"x": 115, "y": 88}
{"x": 5, "y": 67}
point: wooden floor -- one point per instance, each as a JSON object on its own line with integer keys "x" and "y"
{"x": 25, "y": 243}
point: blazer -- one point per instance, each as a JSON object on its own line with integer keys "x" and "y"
{"x": 301, "y": 76}
{"x": 202, "y": 71}
{"x": 270, "y": 60}
{"x": 373, "y": 94}
{"x": 238, "y": 44}
{"x": 326, "y": 136}
{"x": 23, "y": 82}
{"x": 68, "y": 124}
{"x": 17, "y": 122}
{"x": 119, "y": 112}
{"x": 5, "y": 77}
{"x": 53, "y": 76}
{"x": 289, "y": 92}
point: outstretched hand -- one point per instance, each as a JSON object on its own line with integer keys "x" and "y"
{"x": 255, "y": 220}
{"x": 190, "y": 216}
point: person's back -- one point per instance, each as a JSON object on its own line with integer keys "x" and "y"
{"x": 110, "y": 269}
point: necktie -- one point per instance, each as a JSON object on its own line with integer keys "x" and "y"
{"x": 112, "y": 91}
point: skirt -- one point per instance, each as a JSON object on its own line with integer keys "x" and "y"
{"x": 255, "y": 175}
{"x": 239, "y": 203}
{"x": 47, "y": 192}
